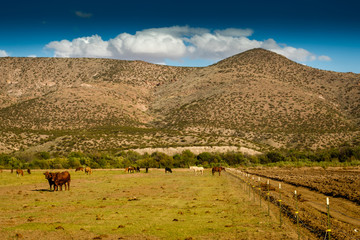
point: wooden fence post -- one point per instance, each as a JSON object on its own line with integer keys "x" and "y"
{"x": 297, "y": 215}
{"x": 328, "y": 217}
{"x": 268, "y": 196}
{"x": 280, "y": 203}
{"x": 260, "y": 191}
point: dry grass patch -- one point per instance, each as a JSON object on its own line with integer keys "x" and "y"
{"x": 115, "y": 205}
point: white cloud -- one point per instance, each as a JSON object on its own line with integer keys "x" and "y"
{"x": 32, "y": 56}
{"x": 216, "y": 46}
{"x": 324, "y": 58}
{"x": 3, "y": 53}
{"x": 296, "y": 54}
{"x": 83, "y": 14}
{"x": 147, "y": 45}
{"x": 175, "y": 43}
{"x": 92, "y": 46}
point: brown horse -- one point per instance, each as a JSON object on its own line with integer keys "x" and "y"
{"x": 217, "y": 169}
{"x": 130, "y": 169}
{"x": 79, "y": 169}
{"x": 88, "y": 170}
{"x": 19, "y": 172}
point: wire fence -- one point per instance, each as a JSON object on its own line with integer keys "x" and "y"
{"x": 291, "y": 205}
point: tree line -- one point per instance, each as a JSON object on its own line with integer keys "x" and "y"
{"x": 344, "y": 156}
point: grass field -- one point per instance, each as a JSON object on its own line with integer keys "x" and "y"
{"x": 110, "y": 204}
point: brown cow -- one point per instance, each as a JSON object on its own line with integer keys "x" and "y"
{"x": 48, "y": 176}
{"x": 61, "y": 179}
{"x": 88, "y": 170}
{"x": 19, "y": 172}
{"x": 79, "y": 169}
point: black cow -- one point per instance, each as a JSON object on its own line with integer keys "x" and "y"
{"x": 48, "y": 176}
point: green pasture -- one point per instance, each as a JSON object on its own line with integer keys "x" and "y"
{"x": 112, "y": 204}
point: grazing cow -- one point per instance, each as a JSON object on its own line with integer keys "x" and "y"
{"x": 79, "y": 169}
{"x": 28, "y": 171}
{"x": 60, "y": 179}
{"x": 197, "y": 169}
{"x": 167, "y": 169}
{"x": 217, "y": 169}
{"x": 19, "y": 172}
{"x": 88, "y": 170}
{"x": 48, "y": 176}
{"x": 137, "y": 169}
{"x": 130, "y": 169}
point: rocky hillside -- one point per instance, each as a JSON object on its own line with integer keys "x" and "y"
{"x": 256, "y": 99}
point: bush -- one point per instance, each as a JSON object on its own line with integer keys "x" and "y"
{"x": 275, "y": 156}
{"x": 162, "y": 160}
{"x": 43, "y": 155}
{"x": 42, "y": 164}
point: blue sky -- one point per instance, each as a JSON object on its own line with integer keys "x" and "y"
{"x": 321, "y": 34}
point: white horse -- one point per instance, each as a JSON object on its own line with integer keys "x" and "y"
{"x": 197, "y": 169}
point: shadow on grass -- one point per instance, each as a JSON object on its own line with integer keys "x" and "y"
{"x": 42, "y": 190}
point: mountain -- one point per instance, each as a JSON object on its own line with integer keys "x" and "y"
{"x": 257, "y": 99}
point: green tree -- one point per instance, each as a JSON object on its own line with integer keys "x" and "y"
{"x": 162, "y": 160}
{"x": 187, "y": 159}
{"x": 43, "y": 155}
{"x": 274, "y": 156}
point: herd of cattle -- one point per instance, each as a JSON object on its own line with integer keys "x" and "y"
{"x": 58, "y": 179}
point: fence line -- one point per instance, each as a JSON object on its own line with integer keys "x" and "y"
{"x": 325, "y": 232}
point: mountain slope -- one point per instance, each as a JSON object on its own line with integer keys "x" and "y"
{"x": 256, "y": 97}
{"x": 260, "y": 95}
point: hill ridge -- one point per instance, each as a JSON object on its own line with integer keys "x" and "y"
{"x": 257, "y": 98}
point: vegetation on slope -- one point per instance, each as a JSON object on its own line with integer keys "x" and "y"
{"x": 256, "y": 98}
{"x": 344, "y": 156}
